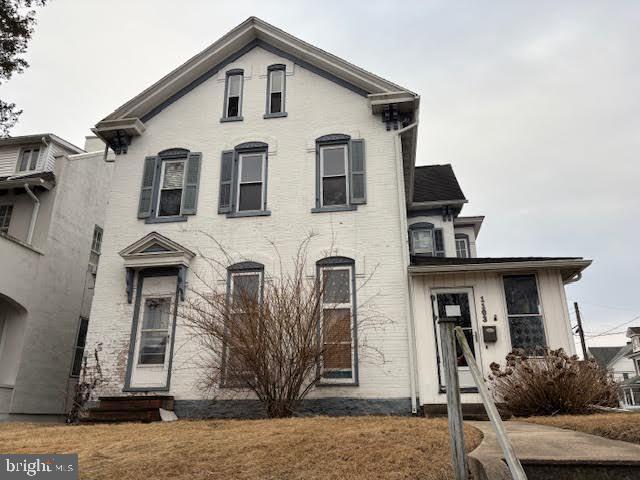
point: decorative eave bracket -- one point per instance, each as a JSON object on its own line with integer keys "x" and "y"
{"x": 119, "y": 133}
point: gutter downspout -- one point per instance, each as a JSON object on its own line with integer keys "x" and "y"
{"x": 34, "y": 213}
{"x": 406, "y": 260}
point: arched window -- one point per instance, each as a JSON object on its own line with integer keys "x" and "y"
{"x": 276, "y": 78}
{"x": 424, "y": 239}
{"x": 338, "y": 331}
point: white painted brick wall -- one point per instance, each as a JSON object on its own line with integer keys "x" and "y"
{"x": 371, "y": 235}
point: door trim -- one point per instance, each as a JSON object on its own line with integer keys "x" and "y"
{"x": 142, "y": 274}
{"x": 472, "y": 309}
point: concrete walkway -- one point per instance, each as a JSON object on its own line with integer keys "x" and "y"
{"x": 542, "y": 448}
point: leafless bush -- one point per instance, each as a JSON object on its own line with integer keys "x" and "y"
{"x": 90, "y": 379}
{"x": 270, "y": 339}
{"x": 550, "y": 384}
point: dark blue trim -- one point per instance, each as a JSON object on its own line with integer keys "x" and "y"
{"x": 250, "y": 213}
{"x": 274, "y": 115}
{"x": 333, "y": 138}
{"x": 251, "y": 146}
{"x": 239, "y": 53}
{"x": 175, "y": 218}
{"x": 237, "y": 118}
{"x": 283, "y": 111}
{"x": 231, "y": 119}
{"x": 246, "y": 266}
{"x": 335, "y": 261}
{"x": 173, "y": 153}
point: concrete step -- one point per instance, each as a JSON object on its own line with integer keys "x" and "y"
{"x": 581, "y": 470}
{"x": 149, "y": 401}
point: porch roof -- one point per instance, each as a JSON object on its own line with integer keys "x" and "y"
{"x": 569, "y": 266}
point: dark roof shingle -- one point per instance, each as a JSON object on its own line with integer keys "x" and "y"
{"x": 603, "y": 355}
{"x": 433, "y": 183}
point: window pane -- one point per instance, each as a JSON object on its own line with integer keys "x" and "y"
{"x": 156, "y": 314}
{"x": 173, "y": 174}
{"x": 527, "y": 333}
{"x": 82, "y": 333}
{"x": 521, "y": 293}
{"x": 276, "y": 81}
{"x": 337, "y": 325}
{"x": 333, "y": 161}
{"x": 276, "y": 103}
{"x": 337, "y": 356}
{"x": 24, "y": 160}
{"x": 170, "y": 203}
{"x": 461, "y": 248}
{"x": 153, "y": 346}
{"x": 250, "y": 197}
{"x": 234, "y": 85}
{"x": 234, "y": 107}
{"x": 251, "y": 168}
{"x": 246, "y": 286}
{"x": 422, "y": 240}
{"x": 34, "y": 159}
{"x": 5, "y": 217}
{"x": 77, "y": 361}
{"x": 336, "y": 286}
{"x": 334, "y": 191}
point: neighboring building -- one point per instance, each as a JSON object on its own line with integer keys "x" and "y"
{"x": 262, "y": 138}
{"x": 631, "y": 387}
{"x": 53, "y": 200}
{"x": 615, "y": 360}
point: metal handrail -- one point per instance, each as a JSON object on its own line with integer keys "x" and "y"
{"x": 492, "y": 411}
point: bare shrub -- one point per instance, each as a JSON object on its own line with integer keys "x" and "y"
{"x": 269, "y": 339}
{"x": 550, "y": 384}
{"x": 90, "y": 379}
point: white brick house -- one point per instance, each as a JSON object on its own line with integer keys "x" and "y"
{"x": 263, "y": 138}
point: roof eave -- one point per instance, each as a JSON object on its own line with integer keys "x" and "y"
{"x": 437, "y": 203}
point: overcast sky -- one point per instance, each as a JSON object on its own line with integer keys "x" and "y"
{"x": 535, "y": 104}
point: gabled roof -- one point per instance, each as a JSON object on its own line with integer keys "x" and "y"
{"x": 252, "y": 33}
{"x": 156, "y": 250}
{"x": 604, "y": 355}
{"x": 436, "y": 183}
{"x": 633, "y": 331}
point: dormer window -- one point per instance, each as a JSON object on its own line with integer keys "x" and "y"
{"x": 233, "y": 96}
{"x": 462, "y": 246}
{"x": 28, "y": 160}
{"x": 426, "y": 240}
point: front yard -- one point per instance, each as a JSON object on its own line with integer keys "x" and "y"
{"x": 617, "y": 426}
{"x": 303, "y": 448}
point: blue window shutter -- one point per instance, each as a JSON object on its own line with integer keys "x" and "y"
{"x": 226, "y": 182}
{"x": 318, "y": 179}
{"x": 192, "y": 181}
{"x": 439, "y": 242}
{"x": 148, "y": 184}
{"x": 358, "y": 176}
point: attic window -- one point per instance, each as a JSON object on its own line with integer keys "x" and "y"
{"x": 275, "y": 91}
{"x": 233, "y": 96}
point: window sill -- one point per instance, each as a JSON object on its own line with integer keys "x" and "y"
{"x": 334, "y": 208}
{"x": 324, "y": 384}
{"x": 231, "y": 119}
{"x": 179, "y": 218}
{"x": 275, "y": 115}
{"x": 250, "y": 213}
{"x": 443, "y": 390}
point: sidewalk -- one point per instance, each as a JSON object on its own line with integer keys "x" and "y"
{"x": 554, "y": 453}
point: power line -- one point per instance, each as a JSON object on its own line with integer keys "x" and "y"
{"x": 606, "y": 332}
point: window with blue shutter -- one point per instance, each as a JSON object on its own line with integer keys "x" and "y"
{"x": 170, "y": 183}
{"x": 226, "y": 182}
{"x": 340, "y": 173}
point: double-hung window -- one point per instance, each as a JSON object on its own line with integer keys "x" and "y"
{"x": 275, "y": 91}
{"x": 426, "y": 240}
{"x": 5, "y": 218}
{"x": 170, "y": 183}
{"x": 96, "y": 243}
{"x": 233, "y": 95}
{"x": 341, "y": 179}
{"x": 526, "y": 323}
{"x": 244, "y": 297}
{"x": 251, "y": 176}
{"x": 81, "y": 340}
{"x": 462, "y": 246}
{"x": 155, "y": 331}
{"x": 338, "y": 333}
{"x": 28, "y": 160}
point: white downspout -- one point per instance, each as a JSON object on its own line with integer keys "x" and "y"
{"x": 34, "y": 213}
{"x": 406, "y": 260}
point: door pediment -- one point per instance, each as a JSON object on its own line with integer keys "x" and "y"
{"x": 155, "y": 250}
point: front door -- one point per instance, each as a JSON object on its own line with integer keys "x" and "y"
{"x": 156, "y": 316}
{"x": 463, "y": 297}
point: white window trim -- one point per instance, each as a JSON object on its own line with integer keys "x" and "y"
{"x": 139, "y": 364}
{"x": 346, "y": 173}
{"x": 262, "y": 181}
{"x": 160, "y": 187}
{"x": 31, "y": 148}
{"x": 540, "y": 307}
{"x": 422, "y": 250}
{"x": 272, "y": 90}
{"x": 228, "y": 95}
{"x": 334, "y": 306}
{"x": 465, "y": 242}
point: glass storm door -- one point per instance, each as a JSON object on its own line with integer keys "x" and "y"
{"x": 463, "y": 298}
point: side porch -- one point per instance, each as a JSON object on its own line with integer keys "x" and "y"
{"x": 501, "y": 303}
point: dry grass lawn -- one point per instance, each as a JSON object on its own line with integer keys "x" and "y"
{"x": 618, "y": 426}
{"x": 305, "y": 448}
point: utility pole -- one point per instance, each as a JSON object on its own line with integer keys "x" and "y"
{"x": 580, "y": 330}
